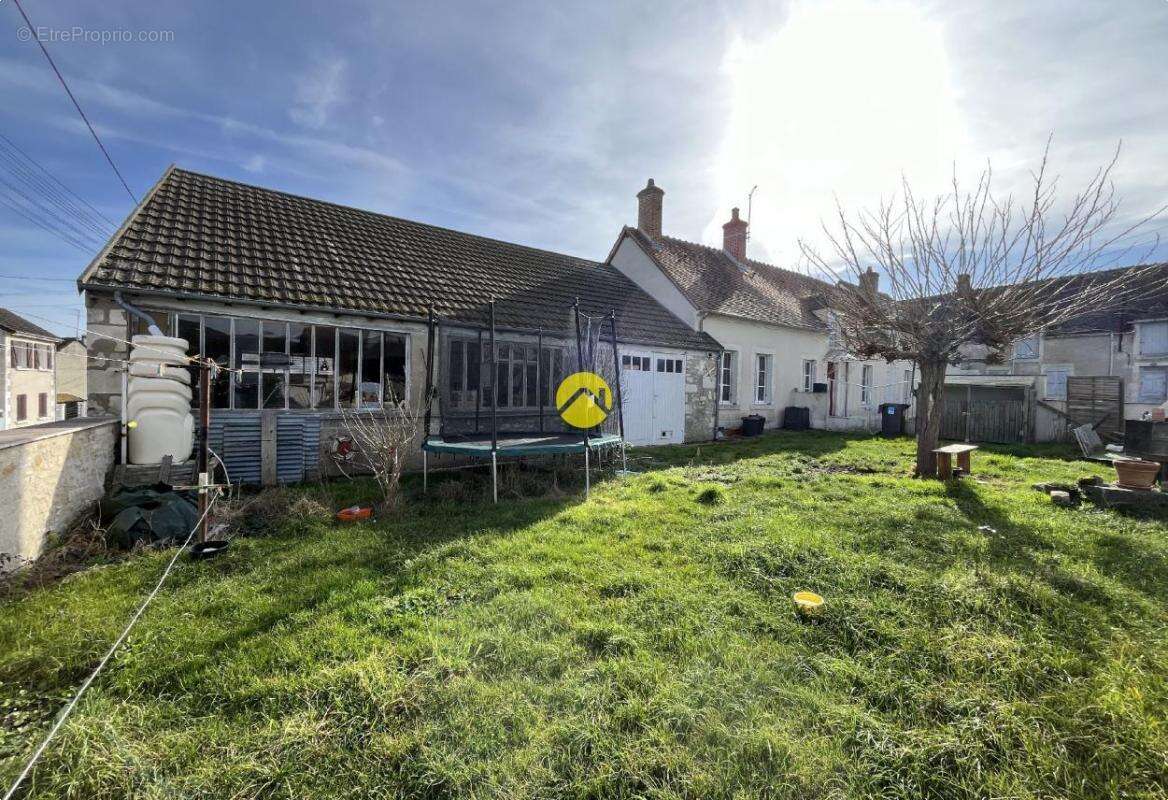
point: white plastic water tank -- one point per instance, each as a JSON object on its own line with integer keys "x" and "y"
{"x": 158, "y": 401}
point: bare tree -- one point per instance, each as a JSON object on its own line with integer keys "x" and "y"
{"x": 383, "y": 440}
{"x": 967, "y": 273}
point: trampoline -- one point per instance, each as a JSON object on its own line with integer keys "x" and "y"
{"x": 523, "y": 392}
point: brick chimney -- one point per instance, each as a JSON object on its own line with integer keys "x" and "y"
{"x": 734, "y": 236}
{"x": 964, "y": 286}
{"x": 869, "y": 281}
{"x": 649, "y": 209}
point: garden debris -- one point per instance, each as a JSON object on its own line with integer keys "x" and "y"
{"x": 1060, "y": 498}
{"x": 354, "y": 513}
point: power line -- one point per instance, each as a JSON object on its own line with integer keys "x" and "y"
{"x": 76, "y": 105}
{"x": 60, "y": 224}
{"x": 57, "y": 181}
{"x": 35, "y": 278}
{"x": 43, "y": 189}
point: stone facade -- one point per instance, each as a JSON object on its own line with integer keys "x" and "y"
{"x": 700, "y": 379}
{"x": 109, "y": 329}
{"x": 49, "y": 476}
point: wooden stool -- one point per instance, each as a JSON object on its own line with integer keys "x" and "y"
{"x": 945, "y": 459}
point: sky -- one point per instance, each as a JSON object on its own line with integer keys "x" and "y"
{"x": 538, "y": 122}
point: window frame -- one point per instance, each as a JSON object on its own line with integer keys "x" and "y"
{"x": 1145, "y": 399}
{"x": 21, "y": 407}
{"x": 810, "y": 368}
{"x": 1067, "y": 371}
{"x": 42, "y": 405}
{"x": 1037, "y": 337}
{"x": 728, "y": 378}
{"x": 764, "y": 379}
{"x": 867, "y": 384}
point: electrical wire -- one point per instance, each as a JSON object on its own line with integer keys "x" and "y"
{"x": 57, "y": 181}
{"x": 76, "y": 105}
{"x": 72, "y": 704}
{"x": 38, "y": 185}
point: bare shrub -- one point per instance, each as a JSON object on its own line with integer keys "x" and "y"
{"x": 383, "y": 440}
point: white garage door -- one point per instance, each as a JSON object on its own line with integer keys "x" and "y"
{"x": 653, "y": 391}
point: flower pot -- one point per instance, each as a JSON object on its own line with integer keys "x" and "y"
{"x": 1136, "y": 474}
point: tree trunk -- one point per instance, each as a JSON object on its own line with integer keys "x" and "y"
{"x": 929, "y": 409}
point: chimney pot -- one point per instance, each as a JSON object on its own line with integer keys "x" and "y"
{"x": 734, "y": 236}
{"x": 964, "y": 285}
{"x": 649, "y": 202}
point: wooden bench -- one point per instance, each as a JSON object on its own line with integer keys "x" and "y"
{"x": 945, "y": 459}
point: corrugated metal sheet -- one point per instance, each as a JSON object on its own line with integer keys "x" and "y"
{"x": 236, "y": 438}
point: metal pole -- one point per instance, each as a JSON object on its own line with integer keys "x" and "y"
{"x": 539, "y": 375}
{"x": 968, "y": 409}
{"x": 204, "y": 438}
{"x": 125, "y": 415}
{"x": 494, "y": 476}
{"x": 620, "y": 406}
{"x": 430, "y": 345}
{"x": 495, "y": 399}
{"x": 580, "y": 356}
{"x": 587, "y": 477}
{"x": 479, "y": 390}
{"x": 425, "y": 475}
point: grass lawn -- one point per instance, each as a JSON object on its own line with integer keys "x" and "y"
{"x": 642, "y": 644}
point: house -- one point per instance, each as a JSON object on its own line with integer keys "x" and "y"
{"x": 1127, "y": 346}
{"x": 775, "y": 325}
{"x": 28, "y": 388}
{"x": 321, "y": 306}
{"x": 71, "y": 369}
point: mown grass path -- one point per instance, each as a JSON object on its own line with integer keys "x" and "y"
{"x": 639, "y": 645}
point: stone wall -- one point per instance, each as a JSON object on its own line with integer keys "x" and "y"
{"x": 105, "y": 319}
{"x": 49, "y": 476}
{"x": 700, "y": 379}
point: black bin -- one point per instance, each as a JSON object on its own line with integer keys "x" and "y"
{"x": 797, "y": 418}
{"x": 892, "y": 418}
{"x": 753, "y": 425}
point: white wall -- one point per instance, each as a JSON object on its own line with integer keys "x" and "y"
{"x": 789, "y": 347}
{"x": 630, "y": 259}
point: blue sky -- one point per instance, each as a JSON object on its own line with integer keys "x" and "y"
{"x": 537, "y": 123}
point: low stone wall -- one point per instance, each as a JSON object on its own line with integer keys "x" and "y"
{"x": 49, "y": 476}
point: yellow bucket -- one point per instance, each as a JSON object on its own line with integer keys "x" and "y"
{"x": 809, "y": 604}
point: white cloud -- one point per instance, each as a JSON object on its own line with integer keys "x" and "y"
{"x": 318, "y": 92}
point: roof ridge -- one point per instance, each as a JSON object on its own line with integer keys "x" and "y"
{"x": 380, "y": 215}
{"x": 747, "y": 260}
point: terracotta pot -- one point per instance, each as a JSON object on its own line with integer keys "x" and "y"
{"x": 1136, "y": 474}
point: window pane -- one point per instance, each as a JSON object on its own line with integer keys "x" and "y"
{"x": 299, "y": 365}
{"x": 456, "y": 366}
{"x": 1153, "y": 384}
{"x": 517, "y": 381}
{"x": 370, "y": 369}
{"x": 347, "y": 367}
{"x": 247, "y": 358}
{"x": 273, "y": 360}
{"x": 472, "y": 367}
{"x": 1154, "y": 338}
{"x": 394, "y": 378}
{"x": 188, "y": 328}
{"x": 325, "y": 362}
{"x": 217, "y": 346}
{"x": 502, "y": 392}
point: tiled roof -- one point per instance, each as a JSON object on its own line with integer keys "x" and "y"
{"x": 201, "y": 236}
{"x": 14, "y": 323}
{"x": 1149, "y": 300}
{"x": 715, "y": 283}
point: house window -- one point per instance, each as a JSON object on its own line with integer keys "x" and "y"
{"x": 1153, "y": 338}
{"x": 808, "y": 374}
{"x": 1056, "y": 383}
{"x": 729, "y": 367}
{"x": 764, "y": 364}
{"x": 671, "y": 365}
{"x": 525, "y": 377}
{"x": 636, "y": 363}
{"x": 42, "y": 405}
{"x": 247, "y": 359}
{"x": 1153, "y": 383}
{"x": 866, "y": 384}
{"x": 21, "y": 407}
{"x": 324, "y": 391}
{"x": 1027, "y": 348}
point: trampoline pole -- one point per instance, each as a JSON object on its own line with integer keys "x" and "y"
{"x": 620, "y": 406}
{"x": 494, "y": 477}
{"x": 580, "y": 364}
{"x": 587, "y": 476}
{"x": 425, "y": 475}
{"x": 538, "y": 373}
{"x": 479, "y": 392}
{"x": 430, "y": 345}
{"x": 494, "y": 390}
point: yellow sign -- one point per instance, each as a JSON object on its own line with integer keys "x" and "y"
{"x": 584, "y": 400}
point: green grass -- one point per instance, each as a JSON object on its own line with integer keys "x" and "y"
{"x": 642, "y": 644}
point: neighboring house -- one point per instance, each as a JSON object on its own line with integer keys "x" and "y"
{"x": 71, "y": 369}
{"x": 322, "y": 306}
{"x": 774, "y": 324}
{"x": 1128, "y": 343}
{"x": 27, "y": 382}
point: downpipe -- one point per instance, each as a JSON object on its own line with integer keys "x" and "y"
{"x": 151, "y": 325}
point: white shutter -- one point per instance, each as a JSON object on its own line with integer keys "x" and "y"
{"x": 1153, "y": 338}
{"x": 1056, "y": 384}
{"x": 1153, "y": 383}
